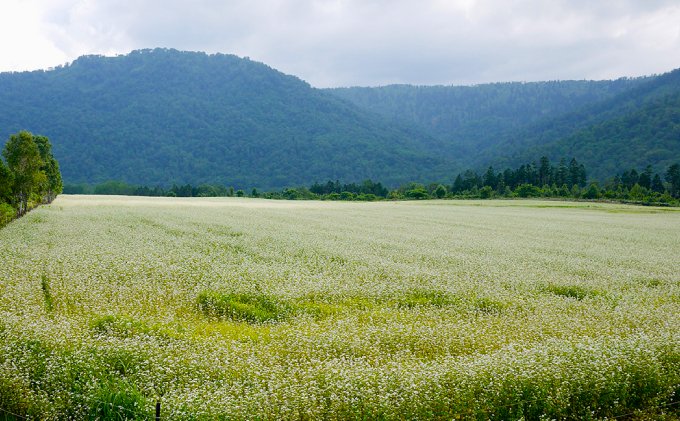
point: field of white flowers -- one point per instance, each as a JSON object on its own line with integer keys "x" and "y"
{"x": 243, "y": 309}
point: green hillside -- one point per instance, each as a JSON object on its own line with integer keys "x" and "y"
{"x": 648, "y": 136}
{"x": 469, "y": 119}
{"x": 165, "y": 116}
{"x": 605, "y": 159}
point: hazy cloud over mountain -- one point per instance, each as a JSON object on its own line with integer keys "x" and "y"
{"x": 362, "y": 42}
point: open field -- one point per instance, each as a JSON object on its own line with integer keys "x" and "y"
{"x": 254, "y": 309}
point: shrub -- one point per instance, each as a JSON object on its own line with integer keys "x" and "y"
{"x": 7, "y": 213}
{"x": 527, "y": 190}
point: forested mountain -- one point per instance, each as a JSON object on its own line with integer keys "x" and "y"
{"x": 648, "y": 136}
{"x": 470, "y": 119}
{"x": 165, "y": 116}
{"x": 633, "y": 137}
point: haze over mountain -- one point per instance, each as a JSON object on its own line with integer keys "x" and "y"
{"x": 160, "y": 117}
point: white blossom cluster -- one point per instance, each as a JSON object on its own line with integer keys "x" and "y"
{"x": 395, "y": 310}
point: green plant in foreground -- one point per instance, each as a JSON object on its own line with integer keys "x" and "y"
{"x": 47, "y": 295}
{"x": 572, "y": 291}
{"x": 253, "y": 308}
{"x": 118, "y": 401}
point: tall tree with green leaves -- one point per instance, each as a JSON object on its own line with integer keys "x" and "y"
{"x": 23, "y": 159}
{"x": 657, "y": 184}
{"x": 52, "y": 185}
{"x": 673, "y": 177}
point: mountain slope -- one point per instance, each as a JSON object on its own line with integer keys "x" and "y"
{"x": 165, "y": 116}
{"x": 648, "y": 136}
{"x": 518, "y": 146}
{"x": 468, "y": 119}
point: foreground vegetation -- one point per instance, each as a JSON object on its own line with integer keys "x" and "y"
{"x": 253, "y": 309}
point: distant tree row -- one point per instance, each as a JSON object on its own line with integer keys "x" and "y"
{"x": 539, "y": 180}
{"x": 124, "y": 189}
{"x": 29, "y": 175}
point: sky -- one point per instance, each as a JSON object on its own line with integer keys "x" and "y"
{"x": 331, "y": 43}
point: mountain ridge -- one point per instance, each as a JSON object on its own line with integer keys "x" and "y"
{"x": 165, "y": 116}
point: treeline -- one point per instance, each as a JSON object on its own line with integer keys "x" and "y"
{"x": 534, "y": 180}
{"x": 29, "y": 175}
{"x": 124, "y": 189}
{"x": 537, "y": 180}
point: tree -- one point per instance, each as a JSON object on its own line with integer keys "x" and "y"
{"x": 440, "y": 191}
{"x": 527, "y": 190}
{"x": 489, "y": 178}
{"x": 645, "y": 179}
{"x": 23, "y": 158}
{"x": 673, "y": 177}
{"x": 417, "y": 194}
{"x": 458, "y": 185}
{"x": 574, "y": 176}
{"x": 6, "y": 184}
{"x": 592, "y": 193}
{"x": 544, "y": 171}
{"x": 657, "y": 184}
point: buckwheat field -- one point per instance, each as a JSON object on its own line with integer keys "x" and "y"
{"x": 243, "y": 309}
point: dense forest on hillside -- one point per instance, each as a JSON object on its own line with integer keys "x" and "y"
{"x": 607, "y": 157}
{"x": 650, "y": 135}
{"x": 608, "y": 125}
{"x": 472, "y": 118}
{"x": 165, "y": 116}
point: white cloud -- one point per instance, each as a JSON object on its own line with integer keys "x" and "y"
{"x": 365, "y": 42}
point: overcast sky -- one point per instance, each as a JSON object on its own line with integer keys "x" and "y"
{"x": 362, "y": 42}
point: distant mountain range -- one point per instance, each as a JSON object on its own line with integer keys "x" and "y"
{"x": 160, "y": 117}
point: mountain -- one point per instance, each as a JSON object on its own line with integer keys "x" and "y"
{"x": 649, "y": 135}
{"x": 586, "y": 133}
{"x": 470, "y": 119}
{"x": 165, "y": 116}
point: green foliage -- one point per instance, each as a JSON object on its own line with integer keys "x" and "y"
{"x": 592, "y": 193}
{"x": 7, "y": 213}
{"x": 6, "y": 184}
{"x": 23, "y": 159}
{"x": 527, "y": 190}
{"x": 114, "y": 188}
{"x": 16, "y": 397}
{"x": 118, "y": 401}
{"x": 426, "y": 298}
{"x": 30, "y": 178}
{"x": 252, "y": 308}
{"x": 440, "y": 191}
{"x": 417, "y": 194}
{"x": 577, "y": 292}
{"x": 486, "y": 192}
{"x": 47, "y": 294}
{"x": 636, "y": 128}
